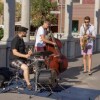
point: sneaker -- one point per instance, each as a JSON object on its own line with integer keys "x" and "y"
{"x": 89, "y": 73}
{"x": 29, "y": 87}
{"x": 84, "y": 71}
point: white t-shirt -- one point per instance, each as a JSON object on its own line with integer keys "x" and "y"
{"x": 39, "y": 42}
{"x": 89, "y": 30}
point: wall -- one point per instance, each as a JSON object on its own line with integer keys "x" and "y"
{"x": 79, "y": 12}
{"x": 88, "y": 1}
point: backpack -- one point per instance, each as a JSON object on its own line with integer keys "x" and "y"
{"x": 1, "y": 80}
{"x": 5, "y": 75}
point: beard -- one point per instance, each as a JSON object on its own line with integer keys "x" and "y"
{"x": 24, "y": 35}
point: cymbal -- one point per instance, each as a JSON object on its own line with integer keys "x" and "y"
{"x": 42, "y": 53}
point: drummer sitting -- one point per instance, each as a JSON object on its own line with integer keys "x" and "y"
{"x": 18, "y": 54}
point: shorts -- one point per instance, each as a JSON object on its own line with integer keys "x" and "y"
{"x": 39, "y": 49}
{"x": 16, "y": 63}
{"x": 88, "y": 50}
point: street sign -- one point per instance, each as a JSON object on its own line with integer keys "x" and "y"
{"x": 55, "y": 12}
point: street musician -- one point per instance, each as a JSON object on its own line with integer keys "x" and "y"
{"x": 87, "y": 36}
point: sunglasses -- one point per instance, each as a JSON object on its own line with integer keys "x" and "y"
{"x": 86, "y": 22}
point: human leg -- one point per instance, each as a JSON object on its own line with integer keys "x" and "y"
{"x": 25, "y": 69}
{"x": 89, "y": 53}
{"x": 84, "y": 62}
{"x": 89, "y": 62}
{"x": 21, "y": 65}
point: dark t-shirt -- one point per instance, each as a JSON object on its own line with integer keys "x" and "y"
{"x": 18, "y": 44}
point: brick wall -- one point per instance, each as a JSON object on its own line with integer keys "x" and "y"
{"x": 88, "y": 1}
{"x": 79, "y": 12}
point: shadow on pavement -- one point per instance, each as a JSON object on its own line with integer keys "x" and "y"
{"x": 73, "y": 60}
{"x": 72, "y": 72}
{"x": 68, "y": 93}
{"x": 96, "y": 69}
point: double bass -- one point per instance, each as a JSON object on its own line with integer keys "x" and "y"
{"x": 57, "y": 61}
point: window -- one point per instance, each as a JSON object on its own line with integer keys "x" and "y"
{"x": 76, "y": 1}
{"x": 75, "y": 26}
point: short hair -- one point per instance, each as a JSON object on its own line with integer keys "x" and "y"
{"x": 46, "y": 21}
{"x": 87, "y": 18}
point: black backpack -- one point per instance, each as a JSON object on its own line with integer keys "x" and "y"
{"x": 5, "y": 75}
{"x": 2, "y": 79}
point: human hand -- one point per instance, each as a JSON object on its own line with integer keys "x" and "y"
{"x": 81, "y": 43}
{"x": 54, "y": 43}
{"x": 85, "y": 36}
{"x": 89, "y": 35}
{"x": 30, "y": 52}
{"x": 27, "y": 55}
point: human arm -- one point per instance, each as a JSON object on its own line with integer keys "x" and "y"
{"x": 41, "y": 33}
{"x": 18, "y": 47}
{"x": 18, "y": 54}
{"x": 93, "y": 33}
{"x": 47, "y": 41}
{"x": 81, "y": 35}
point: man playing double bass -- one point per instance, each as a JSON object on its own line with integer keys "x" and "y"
{"x": 57, "y": 61}
{"x": 41, "y": 37}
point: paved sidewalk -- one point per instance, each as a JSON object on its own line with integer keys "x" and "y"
{"x": 78, "y": 86}
{"x": 84, "y": 87}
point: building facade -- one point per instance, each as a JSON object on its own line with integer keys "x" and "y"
{"x": 81, "y": 8}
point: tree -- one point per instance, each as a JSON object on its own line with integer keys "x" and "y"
{"x": 40, "y": 10}
{"x": 18, "y": 11}
{"x": 1, "y": 8}
{"x": 1, "y": 13}
{"x": 1, "y": 33}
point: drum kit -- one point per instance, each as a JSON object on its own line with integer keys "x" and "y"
{"x": 44, "y": 76}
